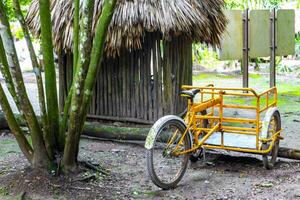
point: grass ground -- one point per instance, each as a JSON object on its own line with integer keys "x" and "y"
{"x": 288, "y": 88}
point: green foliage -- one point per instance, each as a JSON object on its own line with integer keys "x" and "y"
{"x": 9, "y": 8}
{"x": 253, "y": 4}
{"x": 19, "y": 34}
{"x": 3, "y": 191}
{"x": 203, "y": 56}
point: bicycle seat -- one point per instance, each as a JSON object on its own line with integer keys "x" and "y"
{"x": 190, "y": 93}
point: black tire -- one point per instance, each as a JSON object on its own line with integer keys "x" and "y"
{"x": 196, "y": 156}
{"x": 269, "y": 160}
{"x": 154, "y": 163}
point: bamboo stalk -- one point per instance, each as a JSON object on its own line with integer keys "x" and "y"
{"x": 97, "y": 51}
{"x": 15, "y": 128}
{"x": 4, "y": 68}
{"x": 49, "y": 139}
{"x": 89, "y": 82}
{"x": 74, "y": 131}
{"x": 50, "y": 75}
{"x": 76, "y": 35}
{"x": 40, "y": 157}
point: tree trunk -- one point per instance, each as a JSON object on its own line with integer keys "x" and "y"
{"x": 289, "y": 153}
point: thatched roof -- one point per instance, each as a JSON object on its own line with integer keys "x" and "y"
{"x": 198, "y": 20}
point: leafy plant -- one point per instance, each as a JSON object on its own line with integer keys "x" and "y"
{"x": 3, "y": 191}
{"x": 253, "y": 4}
{"x": 9, "y": 8}
{"x": 204, "y": 56}
{"x": 19, "y": 34}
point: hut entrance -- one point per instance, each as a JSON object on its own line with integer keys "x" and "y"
{"x": 139, "y": 85}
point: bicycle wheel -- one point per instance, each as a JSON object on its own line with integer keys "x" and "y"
{"x": 269, "y": 160}
{"x": 165, "y": 168}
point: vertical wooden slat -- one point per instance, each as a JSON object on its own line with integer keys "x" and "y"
{"x": 117, "y": 70}
{"x": 167, "y": 73}
{"x": 155, "y": 80}
{"x": 128, "y": 83}
{"x": 61, "y": 70}
{"x": 137, "y": 83}
{"x": 113, "y": 88}
{"x": 185, "y": 70}
{"x": 109, "y": 89}
{"x": 190, "y": 62}
{"x": 70, "y": 70}
{"x": 149, "y": 81}
{"x": 146, "y": 82}
{"x": 124, "y": 102}
{"x": 160, "y": 67}
{"x": 116, "y": 113}
{"x": 101, "y": 96}
{"x": 105, "y": 94}
{"x": 142, "y": 83}
{"x": 132, "y": 84}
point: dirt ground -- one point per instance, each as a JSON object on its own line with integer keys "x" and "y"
{"x": 220, "y": 177}
{"x": 224, "y": 176}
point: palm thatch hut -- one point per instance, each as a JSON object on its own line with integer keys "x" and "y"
{"x": 148, "y": 53}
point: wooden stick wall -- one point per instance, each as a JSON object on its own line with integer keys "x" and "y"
{"x": 139, "y": 86}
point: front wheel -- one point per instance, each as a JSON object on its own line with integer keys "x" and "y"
{"x": 166, "y": 168}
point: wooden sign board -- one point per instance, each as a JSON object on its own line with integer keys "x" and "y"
{"x": 259, "y": 33}
{"x": 232, "y": 39}
{"x": 285, "y": 32}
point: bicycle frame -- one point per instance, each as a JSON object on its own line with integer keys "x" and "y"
{"x": 216, "y": 100}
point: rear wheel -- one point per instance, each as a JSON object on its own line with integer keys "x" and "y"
{"x": 164, "y": 167}
{"x": 269, "y": 160}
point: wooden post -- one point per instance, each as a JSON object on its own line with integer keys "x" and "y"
{"x": 245, "y": 61}
{"x": 273, "y": 49}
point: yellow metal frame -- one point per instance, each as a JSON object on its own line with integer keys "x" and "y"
{"x": 215, "y": 100}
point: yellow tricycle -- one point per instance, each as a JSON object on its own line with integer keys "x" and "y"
{"x": 213, "y": 121}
